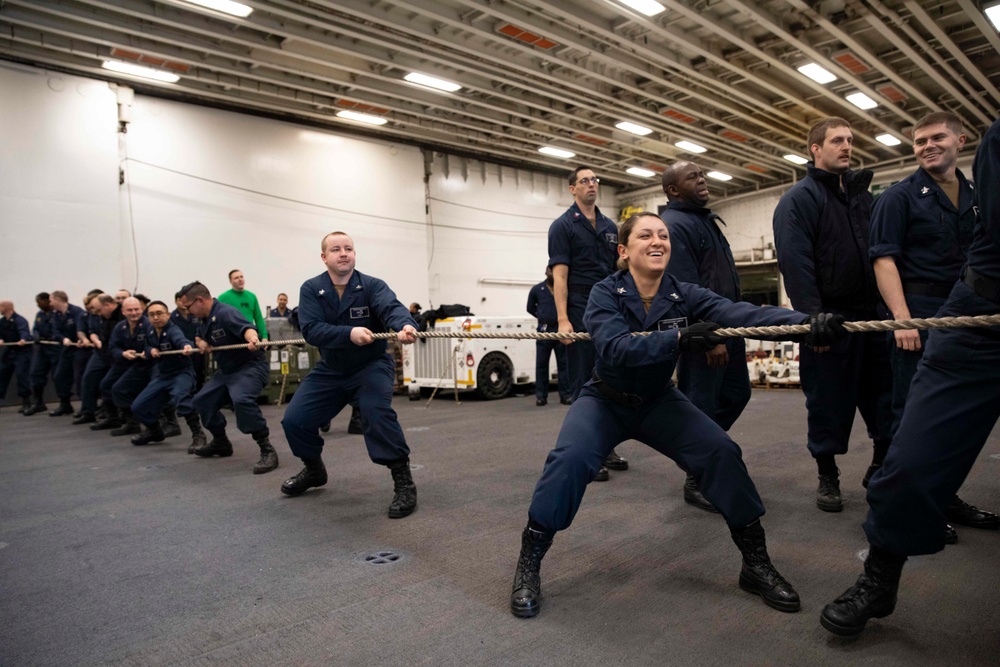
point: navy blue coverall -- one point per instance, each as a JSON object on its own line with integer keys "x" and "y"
{"x": 915, "y": 223}
{"x": 821, "y": 233}
{"x": 240, "y": 375}
{"x": 85, "y": 325}
{"x": 348, "y": 371}
{"x": 46, "y": 357}
{"x": 173, "y": 377}
{"x": 127, "y": 379}
{"x": 100, "y": 361}
{"x": 15, "y": 360}
{"x": 65, "y": 325}
{"x": 189, "y": 326}
{"x": 542, "y": 306}
{"x": 952, "y": 406}
{"x": 640, "y": 367}
{"x": 590, "y": 253}
{"x": 700, "y": 254}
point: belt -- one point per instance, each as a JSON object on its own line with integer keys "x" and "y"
{"x": 927, "y": 289}
{"x": 621, "y": 398}
{"x": 580, "y": 289}
{"x": 981, "y": 285}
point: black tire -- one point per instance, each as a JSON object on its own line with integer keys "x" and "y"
{"x": 495, "y": 377}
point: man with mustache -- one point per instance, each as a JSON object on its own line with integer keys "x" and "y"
{"x": 821, "y": 230}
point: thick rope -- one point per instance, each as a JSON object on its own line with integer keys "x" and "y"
{"x": 735, "y": 332}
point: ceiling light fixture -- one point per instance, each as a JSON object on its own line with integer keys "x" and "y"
{"x": 647, "y": 7}
{"x": 817, "y": 73}
{"x": 432, "y": 82}
{"x": 888, "y": 140}
{"x": 140, "y": 71}
{"x": 639, "y": 171}
{"x": 993, "y": 14}
{"x": 862, "y": 101}
{"x": 361, "y": 117}
{"x": 690, "y": 147}
{"x": 719, "y": 176}
{"x": 795, "y": 159}
{"x": 224, "y": 6}
{"x": 633, "y": 128}
{"x": 556, "y": 152}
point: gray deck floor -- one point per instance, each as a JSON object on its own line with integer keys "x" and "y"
{"x": 121, "y": 555}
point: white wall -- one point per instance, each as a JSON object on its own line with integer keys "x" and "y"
{"x": 59, "y": 218}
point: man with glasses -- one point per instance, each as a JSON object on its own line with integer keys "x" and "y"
{"x": 173, "y": 380}
{"x": 583, "y": 249}
{"x": 239, "y": 377}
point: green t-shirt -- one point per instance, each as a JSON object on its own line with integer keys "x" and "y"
{"x": 246, "y": 302}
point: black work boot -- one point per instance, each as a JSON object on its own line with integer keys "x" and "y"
{"x": 355, "y": 426}
{"x": 313, "y": 474}
{"x": 615, "y": 462}
{"x": 828, "y": 496}
{"x": 405, "y": 499}
{"x": 873, "y": 595}
{"x": 869, "y": 473}
{"x": 150, "y": 434}
{"x": 759, "y": 575}
{"x": 110, "y": 420}
{"x": 65, "y": 408}
{"x": 964, "y": 514}
{"x": 170, "y": 426}
{"x": 129, "y": 425}
{"x": 84, "y": 418}
{"x": 25, "y": 404}
{"x": 38, "y": 405}
{"x": 602, "y": 474}
{"x": 268, "y": 457}
{"x": 526, "y": 593}
{"x": 197, "y": 435}
{"x": 220, "y": 446}
{"x": 693, "y": 497}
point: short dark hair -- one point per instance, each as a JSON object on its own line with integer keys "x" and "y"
{"x": 59, "y": 294}
{"x": 107, "y": 299}
{"x": 44, "y": 296}
{"x": 232, "y": 272}
{"x": 669, "y": 175}
{"x": 95, "y": 292}
{"x": 157, "y": 303}
{"x": 573, "y": 174}
{"x": 195, "y": 290}
{"x": 817, "y": 133}
{"x": 953, "y": 121}
{"x": 282, "y": 294}
{"x": 143, "y": 299}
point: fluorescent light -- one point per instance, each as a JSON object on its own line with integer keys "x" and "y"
{"x": 138, "y": 70}
{"x": 719, "y": 176}
{"x": 225, "y": 6}
{"x": 993, "y": 14}
{"x": 690, "y": 148}
{"x": 556, "y": 152}
{"x": 639, "y": 171}
{"x": 862, "y": 101}
{"x": 795, "y": 159}
{"x": 362, "y": 117}
{"x": 633, "y": 128}
{"x": 888, "y": 140}
{"x": 431, "y": 82}
{"x": 817, "y": 73}
{"x": 647, "y": 7}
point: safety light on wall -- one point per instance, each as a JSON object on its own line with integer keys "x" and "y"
{"x": 556, "y": 152}
{"x": 861, "y": 101}
{"x": 224, "y": 6}
{"x": 993, "y": 14}
{"x": 362, "y": 117}
{"x": 633, "y": 128}
{"x": 888, "y": 140}
{"x": 647, "y": 7}
{"x": 140, "y": 71}
{"x": 690, "y": 147}
{"x": 719, "y": 176}
{"x": 432, "y": 82}
{"x": 817, "y": 73}
{"x": 639, "y": 171}
{"x": 795, "y": 159}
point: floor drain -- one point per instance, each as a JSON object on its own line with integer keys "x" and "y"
{"x": 382, "y": 558}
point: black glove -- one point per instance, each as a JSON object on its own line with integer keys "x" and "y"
{"x": 825, "y": 329}
{"x": 699, "y": 337}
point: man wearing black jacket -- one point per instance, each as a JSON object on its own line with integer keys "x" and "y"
{"x": 821, "y": 231}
